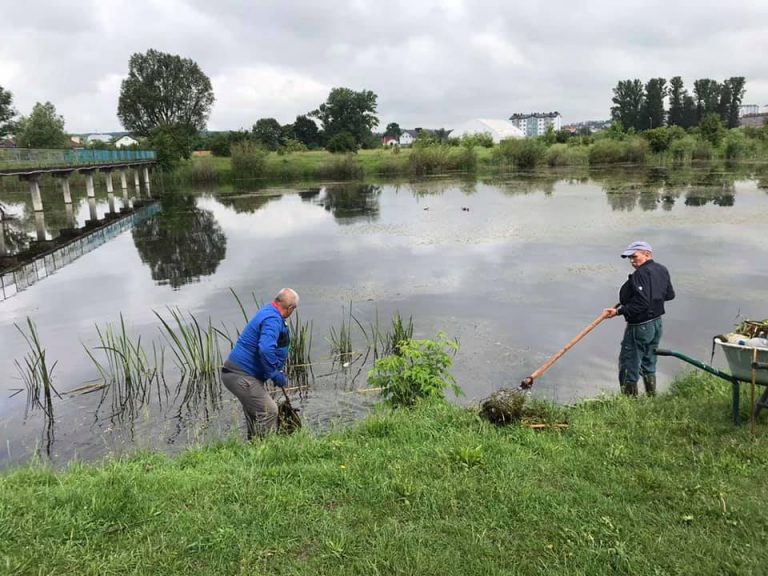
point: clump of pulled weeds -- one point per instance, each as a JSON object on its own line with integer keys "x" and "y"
{"x": 288, "y": 418}
{"x": 509, "y": 406}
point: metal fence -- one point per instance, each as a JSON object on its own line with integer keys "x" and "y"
{"x": 11, "y": 158}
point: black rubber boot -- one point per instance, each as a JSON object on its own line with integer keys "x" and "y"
{"x": 650, "y": 384}
{"x": 629, "y": 388}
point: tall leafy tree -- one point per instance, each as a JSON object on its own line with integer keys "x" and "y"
{"x": 393, "y": 130}
{"x": 7, "y": 112}
{"x": 306, "y": 131}
{"x": 676, "y": 94}
{"x": 350, "y": 112}
{"x": 43, "y": 128}
{"x": 653, "y": 107}
{"x": 628, "y": 98}
{"x": 724, "y": 105}
{"x": 164, "y": 89}
{"x": 707, "y": 93}
{"x": 690, "y": 114}
{"x": 268, "y": 133}
{"x": 737, "y": 88}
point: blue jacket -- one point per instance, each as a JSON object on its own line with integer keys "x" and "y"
{"x": 262, "y": 348}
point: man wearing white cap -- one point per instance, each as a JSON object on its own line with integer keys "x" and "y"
{"x": 641, "y": 302}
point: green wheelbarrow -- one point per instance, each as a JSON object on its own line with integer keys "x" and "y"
{"x": 746, "y": 364}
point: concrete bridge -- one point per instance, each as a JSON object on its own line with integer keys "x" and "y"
{"x": 30, "y": 165}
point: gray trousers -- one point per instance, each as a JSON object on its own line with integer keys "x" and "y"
{"x": 637, "y": 357}
{"x": 259, "y": 407}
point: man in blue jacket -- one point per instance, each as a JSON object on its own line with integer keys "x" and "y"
{"x": 258, "y": 356}
{"x": 641, "y": 302}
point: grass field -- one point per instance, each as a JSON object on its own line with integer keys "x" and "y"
{"x": 646, "y": 486}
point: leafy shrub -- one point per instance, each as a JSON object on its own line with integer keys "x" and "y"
{"x": 565, "y": 155}
{"x": 483, "y": 139}
{"x": 418, "y": 370}
{"x": 658, "y": 139}
{"x": 204, "y": 172}
{"x": 702, "y": 150}
{"x": 525, "y": 153}
{"x": 341, "y": 168}
{"x": 440, "y": 158}
{"x": 342, "y": 142}
{"x": 248, "y": 160}
{"x": 711, "y": 128}
{"x": 606, "y": 151}
{"x": 682, "y": 148}
{"x": 635, "y": 149}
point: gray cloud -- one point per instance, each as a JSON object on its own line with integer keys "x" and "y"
{"x": 433, "y": 63}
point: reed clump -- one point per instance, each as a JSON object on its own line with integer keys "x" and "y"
{"x": 35, "y": 372}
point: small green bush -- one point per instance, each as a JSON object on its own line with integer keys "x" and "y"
{"x": 702, "y": 150}
{"x": 525, "y": 153}
{"x": 341, "y": 168}
{"x": 204, "y": 172}
{"x": 426, "y": 160}
{"x": 342, "y": 142}
{"x": 681, "y": 149}
{"x": 418, "y": 370}
{"x": 248, "y": 160}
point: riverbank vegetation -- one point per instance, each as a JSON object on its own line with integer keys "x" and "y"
{"x": 672, "y": 146}
{"x": 631, "y": 486}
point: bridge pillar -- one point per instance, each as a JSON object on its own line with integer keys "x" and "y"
{"x": 136, "y": 185}
{"x": 94, "y": 217}
{"x": 70, "y": 214}
{"x": 124, "y": 188}
{"x": 34, "y": 191}
{"x": 89, "y": 190}
{"x": 110, "y": 191}
{"x": 66, "y": 190}
{"x": 40, "y": 225}
{"x": 3, "y": 249}
{"x": 146, "y": 182}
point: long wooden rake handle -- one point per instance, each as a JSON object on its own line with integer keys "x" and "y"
{"x": 528, "y": 382}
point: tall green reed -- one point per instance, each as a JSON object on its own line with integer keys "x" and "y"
{"x": 35, "y": 372}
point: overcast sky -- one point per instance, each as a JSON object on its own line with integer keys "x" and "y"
{"x": 432, "y": 63}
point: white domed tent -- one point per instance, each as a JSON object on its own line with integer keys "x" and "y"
{"x": 498, "y": 129}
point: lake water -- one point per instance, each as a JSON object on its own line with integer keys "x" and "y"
{"x": 513, "y": 267}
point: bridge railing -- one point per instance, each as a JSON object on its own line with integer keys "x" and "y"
{"x": 16, "y": 158}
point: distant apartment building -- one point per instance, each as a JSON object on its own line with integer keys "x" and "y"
{"x": 536, "y": 124}
{"x": 746, "y": 109}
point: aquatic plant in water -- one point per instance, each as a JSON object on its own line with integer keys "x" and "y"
{"x": 35, "y": 372}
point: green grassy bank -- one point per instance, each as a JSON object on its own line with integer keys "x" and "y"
{"x": 663, "y": 146}
{"x": 659, "y": 486}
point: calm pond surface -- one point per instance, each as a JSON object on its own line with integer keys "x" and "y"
{"x": 512, "y": 267}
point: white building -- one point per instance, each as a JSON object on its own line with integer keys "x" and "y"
{"x": 745, "y": 109}
{"x": 497, "y": 128}
{"x": 125, "y": 141}
{"x": 536, "y": 124}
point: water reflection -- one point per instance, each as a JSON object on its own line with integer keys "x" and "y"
{"x": 351, "y": 202}
{"x": 182, "y": 243}
{"x": 662, "y": 186}
{"x": 247, "y": 203}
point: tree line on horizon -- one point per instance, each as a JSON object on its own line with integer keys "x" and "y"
{"x": 641, "y": 106}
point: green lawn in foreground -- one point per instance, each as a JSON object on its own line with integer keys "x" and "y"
{"x": 659, "y": 486}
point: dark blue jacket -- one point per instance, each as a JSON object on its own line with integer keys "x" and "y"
{"x": 262, "y": 348}
{"x": 642, "y": 296}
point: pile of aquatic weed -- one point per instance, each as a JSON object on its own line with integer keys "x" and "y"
{"x": 633, "y": 486}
